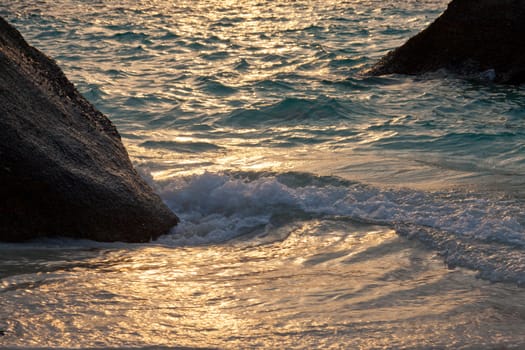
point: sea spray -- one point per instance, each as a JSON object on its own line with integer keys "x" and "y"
{"x": 466, "y": 227}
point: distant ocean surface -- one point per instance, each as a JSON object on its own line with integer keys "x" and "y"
{"x": 320, "y": 208}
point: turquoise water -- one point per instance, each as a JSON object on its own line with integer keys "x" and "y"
{"x": 321, "y": 208}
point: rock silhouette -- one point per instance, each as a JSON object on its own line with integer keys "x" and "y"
{"x": 480, "y": 37}
{"x": 63, "y": 168}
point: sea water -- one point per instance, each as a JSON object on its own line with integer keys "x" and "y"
{"x": 320, "y": 207}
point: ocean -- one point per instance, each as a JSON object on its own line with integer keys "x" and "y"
{"x": 320, "y": 208}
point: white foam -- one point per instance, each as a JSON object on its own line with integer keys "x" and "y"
{"x": 218, "y": 207}
{"x": 473, "y": 230}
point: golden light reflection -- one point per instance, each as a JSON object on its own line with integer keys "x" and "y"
{"x": 324, "y": 288}
{"x": 370, "y": 137}
{"x": 312, "y": 283}
{"x": 241, "y": 152}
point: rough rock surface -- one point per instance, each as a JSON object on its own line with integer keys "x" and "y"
{"x": 63, "y": 168}
{"x": 470, "y": 37}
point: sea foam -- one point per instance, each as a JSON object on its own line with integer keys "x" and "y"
{"x": 464, "y": 227}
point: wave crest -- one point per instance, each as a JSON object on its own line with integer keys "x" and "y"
{"x": 465, "y": 227}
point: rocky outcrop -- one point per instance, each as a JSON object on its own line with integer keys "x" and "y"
{"x": 470, "y": 37}
{"x": 63, "y": 168}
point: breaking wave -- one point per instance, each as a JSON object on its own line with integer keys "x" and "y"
{"x": 484, "y": 232}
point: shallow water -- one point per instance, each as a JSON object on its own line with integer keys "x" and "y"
{"x": 329, "y": 284}
{"x": 320, "y": 208}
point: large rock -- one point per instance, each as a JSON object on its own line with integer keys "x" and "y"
{"x": 471, "y": 36}
{"x": 63, "y": 168}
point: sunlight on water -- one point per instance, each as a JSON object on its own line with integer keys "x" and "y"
{"x": 320, "y": 208}
{"x": 263, "y": 85}
{"x": 310, "y": 290}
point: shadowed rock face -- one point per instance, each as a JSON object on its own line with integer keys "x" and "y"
{"x": 63, "y": 168}
{"x": 470, "y": 37}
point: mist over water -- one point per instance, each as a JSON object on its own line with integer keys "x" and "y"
{"x": 320, "y": 208}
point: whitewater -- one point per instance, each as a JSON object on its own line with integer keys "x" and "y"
{"x": 319, "y": 207}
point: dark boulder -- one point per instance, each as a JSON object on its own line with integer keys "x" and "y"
{"x": 470, "y": 37}
{"x": 63, "y": 168}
